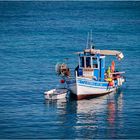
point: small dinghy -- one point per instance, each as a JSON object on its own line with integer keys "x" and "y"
{"x": 54, "y": 94}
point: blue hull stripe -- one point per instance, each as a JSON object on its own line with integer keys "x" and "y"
{"x": 92, "y": 83}
{"x": 94, "y": 86}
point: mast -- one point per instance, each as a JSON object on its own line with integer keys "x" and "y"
{"x": 89, "y": 44}
{"x": 91, "y": 40}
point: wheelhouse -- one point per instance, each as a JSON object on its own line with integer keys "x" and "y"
{"x": 91, "y": 66}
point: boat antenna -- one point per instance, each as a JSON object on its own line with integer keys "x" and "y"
{"x": 90, "y": 39}
{"x": 87, "y": 45}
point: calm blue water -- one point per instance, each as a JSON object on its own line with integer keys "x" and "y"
{"x": 34, "y": 36}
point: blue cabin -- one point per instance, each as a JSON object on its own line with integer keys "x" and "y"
{"x": 91, "y": 66}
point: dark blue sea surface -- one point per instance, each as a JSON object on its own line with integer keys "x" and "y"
{"x": 34, "y": 36}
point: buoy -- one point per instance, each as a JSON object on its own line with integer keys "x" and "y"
{"x": 111, "y": 83}
{"x": 62, "y": 81}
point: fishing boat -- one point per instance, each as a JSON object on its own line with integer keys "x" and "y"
{"x": 92, "y": 79}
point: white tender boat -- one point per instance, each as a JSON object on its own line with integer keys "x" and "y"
{"x": 54, "y": 94}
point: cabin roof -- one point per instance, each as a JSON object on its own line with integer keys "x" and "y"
{"x": 118, "y": 54}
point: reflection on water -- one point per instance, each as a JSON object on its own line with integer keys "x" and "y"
{"x": 94, "y": 118}
{"x": 114, "y": 109}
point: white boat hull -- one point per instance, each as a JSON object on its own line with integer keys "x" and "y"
{"x": 85, "y": 88}
{"x": 88, "y": 92}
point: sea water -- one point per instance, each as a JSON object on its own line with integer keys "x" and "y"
{"x": 34, "y": 36}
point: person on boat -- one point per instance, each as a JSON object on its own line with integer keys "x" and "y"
{"x": 114, "y": 76}
{"x": 109, "y": 77}
{"x": 112, "y": 67}
{"x": 108, "y": 72}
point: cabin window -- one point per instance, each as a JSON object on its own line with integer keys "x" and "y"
{"x": 88, "y": 63}
{"x": 94, "y": 63}
{"x": 81, "y": 61}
